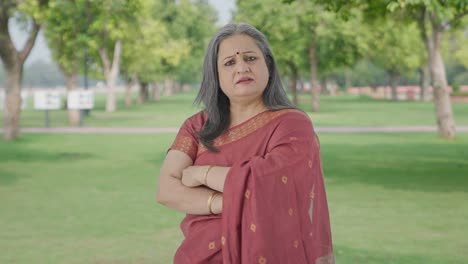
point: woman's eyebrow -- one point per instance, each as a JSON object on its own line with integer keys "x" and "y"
{"x": 245, "y": 52}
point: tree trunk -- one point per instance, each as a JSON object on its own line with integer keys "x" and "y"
{"x": 293, "y": 83}
{"x": 394, "y": 81}
{"x": 111, "y": 73}
{"x": 178, "y": 87}
{"x": 168, "y": 87}
{"x": 425, "y": 83}
{"x": 156, "y": 92}
{"x": 12, "y": 109}
{"x": 111, "y": 99}
{"x": 13, "y": 61}
{"x": 323, "y": 86}
{"x": 143, "y": 95}
{"x": 70, "y": 83}
{"x": 186, "y": 87}
{"x": 443, "y": 105}
{"x": 315, "y": 89}
{"x": 131, "y": 83}
{"x": 347, "y": 79}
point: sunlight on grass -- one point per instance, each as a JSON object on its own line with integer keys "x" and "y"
{"x": 394, "y": 198}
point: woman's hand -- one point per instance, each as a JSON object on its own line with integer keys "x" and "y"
{"x": 192, "y": 175}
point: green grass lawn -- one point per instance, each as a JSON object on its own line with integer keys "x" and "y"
{"x": 394, "y": 198}
{"x": 171, "y": 111}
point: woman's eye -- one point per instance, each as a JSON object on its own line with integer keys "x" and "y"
{"x": 229, "y": 63}
{"x": 251, "y": 58}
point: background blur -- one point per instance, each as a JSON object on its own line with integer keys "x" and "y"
{"x": 384, "y": 82}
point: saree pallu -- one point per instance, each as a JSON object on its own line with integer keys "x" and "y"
{"x": 274, "y": 202}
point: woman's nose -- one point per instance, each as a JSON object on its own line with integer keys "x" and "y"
{"x": 242, "y": 67}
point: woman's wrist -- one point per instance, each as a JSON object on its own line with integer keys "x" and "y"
{"x": 217, "y": 204}
{"x": 203, "y": 177}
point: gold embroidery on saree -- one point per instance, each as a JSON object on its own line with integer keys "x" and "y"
{"x": 186, "y": 145}
{"x": 212, "y": 245}
{"x": 245, "y": 129}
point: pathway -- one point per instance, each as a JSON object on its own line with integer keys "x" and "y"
{"x": 146, "y": 130}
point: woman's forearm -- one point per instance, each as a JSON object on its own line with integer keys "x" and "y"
{"x": 215, "y": 178}
{"x": 188, "y": 200}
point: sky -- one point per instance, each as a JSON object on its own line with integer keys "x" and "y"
{"x": 42, "y": 52}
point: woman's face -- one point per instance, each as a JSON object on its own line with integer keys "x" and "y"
{"x": 242, "y": 70}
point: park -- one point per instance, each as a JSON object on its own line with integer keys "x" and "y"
{"x": 78, "y": 184}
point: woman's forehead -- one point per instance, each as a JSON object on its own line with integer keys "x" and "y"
{"x": 237, "y": 44}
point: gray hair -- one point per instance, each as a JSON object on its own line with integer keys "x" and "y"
{"x": 216, "y": 103}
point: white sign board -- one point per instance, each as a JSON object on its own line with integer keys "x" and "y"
{"x": 80, "y": 99}
{"x": 47, "y": 100}
{"x": 24, "y": 99}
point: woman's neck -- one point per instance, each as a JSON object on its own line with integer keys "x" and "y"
{"x": 242, "y": 112}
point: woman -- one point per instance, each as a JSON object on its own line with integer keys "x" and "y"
{"x": 247, "y": 169}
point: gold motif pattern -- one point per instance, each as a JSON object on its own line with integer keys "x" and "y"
{"x": 212, "y": 245}
{"x": 223, "y": 240}
{"x": 296, "y": 243}
{"x": 262, "y": 260}
{"x": 290, "y": 211}
{"x": 186, "y": 145}
{"x": 310, "y": 164}
{"x": 247, "y": 128}
{"x": 284, "y": 179}
{"x": 253, "y": 227}
{"x": 247, "y": 194}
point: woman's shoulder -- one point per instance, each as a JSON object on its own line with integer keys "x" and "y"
{"x": 196, "y": 121}
{"x": 292, "y": 114}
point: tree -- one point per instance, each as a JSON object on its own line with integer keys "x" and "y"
{"x": 33, "y": 13}
{"x": 145, "y": 49}
{"x": 441, "y": 15}
{"x": 65, "y": 35}
{"x": 109, "y": 24}
{"x": 395, "y": 47}
{"x": 434, "y": 17}
{"x": 195, "y": 22}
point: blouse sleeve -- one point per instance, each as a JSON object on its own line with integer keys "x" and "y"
{"x": 186, "y": 140}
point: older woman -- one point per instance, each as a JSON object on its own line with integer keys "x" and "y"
{"x": 246, "y": 170}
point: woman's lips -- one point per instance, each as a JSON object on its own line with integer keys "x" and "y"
{"x": 244, "y": 81}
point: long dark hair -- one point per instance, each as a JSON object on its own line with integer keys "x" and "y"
{"x": 216, "y": 103}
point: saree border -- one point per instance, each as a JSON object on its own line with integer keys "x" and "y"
{"x": 243, "y": 130}
{"x": 186, "y": 145}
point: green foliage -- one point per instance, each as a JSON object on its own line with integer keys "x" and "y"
{"x": 66, "y": 34}
{"x": 396, "y": 47}
{"x": 190, "y": 25}
{"x": 35, "y": 9}
{"x": 169, "y": 41}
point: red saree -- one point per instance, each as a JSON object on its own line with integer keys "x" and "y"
{"x": 274, "y": 202}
